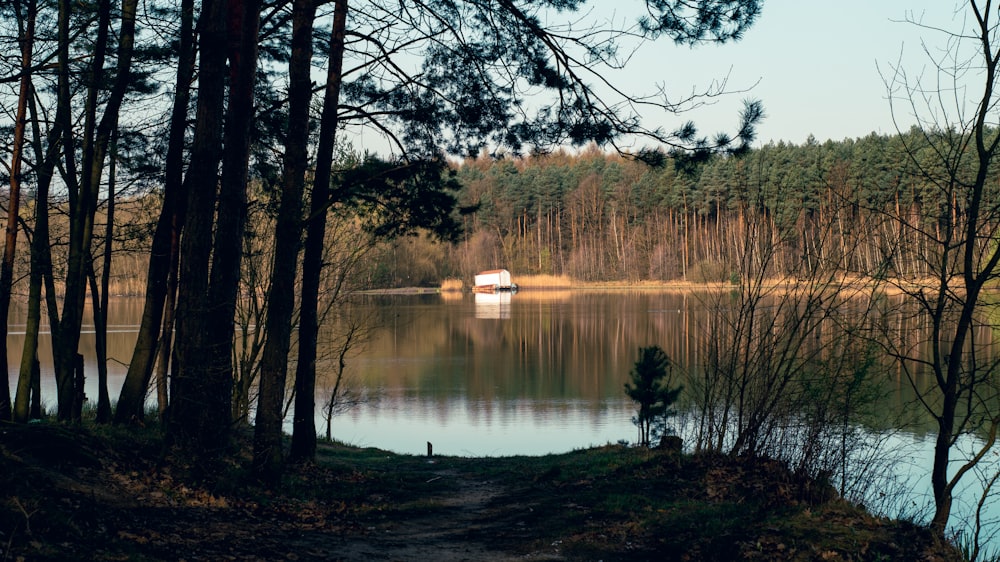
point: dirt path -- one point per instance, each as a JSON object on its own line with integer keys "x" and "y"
{"x": 455, "y": 524}
{"x": 140, "y": 514}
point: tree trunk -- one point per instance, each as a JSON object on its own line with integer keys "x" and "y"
{"x": 27, "y": 401}
{"x": 166, "y": 238}
{"x": 304, "y": 422}
{"x": 100, "y": 345}
{"x": 83, "y": 197}
{"x": 189, "y": 424}
{"x": 287, "y": 241}
{"x": 978, "y": 267}
{"x": 13, "y": 207}
{"x": 82, "y": 209}
{"x": 29, "y": 354}
{"x": 163, "y": 354}
{"x": 227, "y": 252}
{"x": 99, "y": 295}
{"x": 200, "y": 415}
{"x": 62, "y": 354}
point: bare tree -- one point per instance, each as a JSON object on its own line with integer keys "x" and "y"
{"x": 251, "y": 309}
{"x": 948, "y": 363}
{"x": 353, "y": 333}
{"x": 787, "y": 370}
{"x": 345, "y": 332}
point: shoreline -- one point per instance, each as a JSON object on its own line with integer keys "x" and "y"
{"x": 853, "y": 286}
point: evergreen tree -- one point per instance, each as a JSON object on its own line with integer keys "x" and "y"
{"x": 650, "y": 389}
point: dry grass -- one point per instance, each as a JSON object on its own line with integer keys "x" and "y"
{"x": 845, "y": 285}
{"x": 451, "y": 284}
{"x": 544, "y": 282}
{"x": 676, "y": 285}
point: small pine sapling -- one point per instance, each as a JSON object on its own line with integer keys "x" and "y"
{"x": 650, "y": 388}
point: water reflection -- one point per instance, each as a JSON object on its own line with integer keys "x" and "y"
{"x": 529, "y": 373}
{"x": 536, "y": 371}
{"x": 494, "y": 306}
{"x": 578, "y": 348}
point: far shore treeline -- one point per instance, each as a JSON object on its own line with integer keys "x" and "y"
{"x": 595, "y": 216}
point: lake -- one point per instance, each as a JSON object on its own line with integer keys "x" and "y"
{"x": 535, "y": 372}
{"x": 530, "y": 373}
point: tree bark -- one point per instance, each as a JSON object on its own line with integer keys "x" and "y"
{"x": 62, "y": 352}
{"x": 163, "y": 350}
{"x": 166, "y": 240}
{"x": 27, "y": 401}
{"x": 99, "y": 308}
{"x": 189, "y": 425}
{"x": 287, "y": 242}
{"x": 99, "y": 295}
{"x": 227, "y": 253}
{"x": 40, "y": 273}
{"x": 200, "y": 414}
{"x": 26, "y": 41}
{"x": 304, "y": 422}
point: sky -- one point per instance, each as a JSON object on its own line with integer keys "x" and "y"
{"x": 815, "y": 65}
{"x": 818, "y": 67}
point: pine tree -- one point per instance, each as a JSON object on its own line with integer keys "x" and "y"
{"x": 650, "y": 388}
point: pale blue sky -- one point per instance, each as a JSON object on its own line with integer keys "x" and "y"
{"x": 817, "y": 63}
{"x": 814, "y": 64}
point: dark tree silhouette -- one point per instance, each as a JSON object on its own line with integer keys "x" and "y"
{"x": 650, "y": 389}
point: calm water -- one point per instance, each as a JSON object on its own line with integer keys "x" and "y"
{"x": 123, "y": 323}
{"x": 530, "y": 373}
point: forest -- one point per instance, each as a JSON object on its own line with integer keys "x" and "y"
{"x": 598, "y": 217}
{"x": 198, "y": 155}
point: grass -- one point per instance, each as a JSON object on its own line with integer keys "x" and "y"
{"x": 704, "y": 507}
{"x": 608, "y": 503}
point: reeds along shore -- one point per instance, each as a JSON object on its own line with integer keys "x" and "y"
{"x": 544, "y": 282}
{"x": 523, "y": 282}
